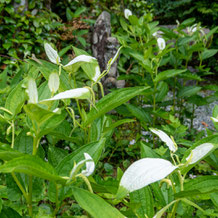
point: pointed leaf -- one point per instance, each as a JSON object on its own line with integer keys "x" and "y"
{"x": 113, "y": 100}
{"x": 31, "y": 165}
{"x": 32, "y": 91}
{"x": 53, "y": 82}
{"x": 51, "y": 54}
{"x": 95, "y": 205}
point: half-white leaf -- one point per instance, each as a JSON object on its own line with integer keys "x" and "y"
{"x": 90, "y": 165}
{"x": 214, "y": 119}
{"x": 79, "y": 93}
{"x": 97, "y": 74}
{"x": 53, "y": 82}
{"x": 32, "y": 91}
{"x": 144, "y": 172}
{"x": 199, "y": 152}
{"x": 114, "y": 58}
{"x": 73, "y": 65}
{"x": 165, "y": 138}
{"x": 51, "y": 54}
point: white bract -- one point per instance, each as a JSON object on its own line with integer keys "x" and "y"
{"x": 127, "y": 13}
{"x": 80, "y": 58}
{"x": 90, "y": 166}
{"x": 144, "y": 172}
{"x": 80, "y": 93}
{"x": 165, "y": 138}
{"x": 53, "y": 82}
{"x": 51, "y": 54}
{"x": 114, "y": 58}
{"x": 161, "y": 43}
{"x": 32, "y": 91}
{"x": 199, "y": 152}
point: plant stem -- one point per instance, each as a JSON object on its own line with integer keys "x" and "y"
{"x": 174, "y": 209}
{"x": 56, "y": 201}
{"x": 30, "y": 196}
{"x": 13, "y": 133}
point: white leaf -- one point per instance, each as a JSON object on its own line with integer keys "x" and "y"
{"x": 199, "y": 152}
{"x": 97, "y": 74}
{"x": 51, "y": 54}
{"x": 161, "y": 43}
{"x": 32, "y": 91}
{"x": 79, "y": 60}
{"x": 214, "y": 119}
{"x": 144, "y": 172}
{"x": 90, "y": 165}
{"x": 165, "y": 138}
{"x": 127, "y": 13}
{"x": 80, "y": 93}
{"x": 53, "y": 82}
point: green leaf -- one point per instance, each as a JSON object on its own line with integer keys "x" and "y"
{"x": 198, "y": 186}
{"x": 111, "y": 101}
{"x": 162, "y": 90}
{"x": 207, "y": 53}
{"x": 146, "y": 151}
{"x": 93, "y": 149}
{"x": 9, "y": 212}
{"x": 31, "y": 165}
{"x": 94, "y": 205}
{"x": 15, "y": 100}
{"x": 188, "y": 91}
{"x": 214, "y": 198}
{"x": 139, "y": 113}
{"x": 7, "y": 153}
{"x": 143, "y": 197}
{"x": 167, "y": 74}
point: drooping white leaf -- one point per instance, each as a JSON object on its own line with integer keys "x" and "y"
{"x": 53, "y": 82}
{"x": 165, "y": 138}
{"x": 127, "y": 13}
{"x": 80, "y": 93}
{"x": 144, "y": 172}
{"x": 161, "y": 43}
{"x": 199, "y": 152}
{"x": 51, "y": 54}
{"x": 32, "y": 91}
{"x": 90, "y": 165}
{"x": 214, "y": 119}
{"x": 97, "y": 74}
{"x": 77, "y": 61}
{"x": 114, "y": 58}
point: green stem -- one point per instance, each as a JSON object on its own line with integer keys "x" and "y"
{"x": 30, "y": 196}
{"x": 56, "y": 201}
{"x": 175, "y": 206}
{"x": 13, "y": 133}
{"x": 181, "y": 180}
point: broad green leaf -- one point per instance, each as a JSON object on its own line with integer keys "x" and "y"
{"x": 142, "y": 173}
{"x": 56, "y": 155}
{"x": 9, "y": 212}
{"x": 31, "y": 165}
{"x": 188, "y": 91}
{"x": 95, "y": 205}
{"x": 198, "y": 186}
{"x": 111, "y": 101}
{"x": 143, "y": 197}
{"x": 162, "y": 90}
{"x": 214, "y": 198}
{"x": 147, "y": 151}
{"x": 15, "y": 100}
{"x": 139, "y": 113}
{"x": 167, "y": 74}
{"x": 93, "y": 149}
{"x": 207, "y": 53}
{"x": 7, "y": 153}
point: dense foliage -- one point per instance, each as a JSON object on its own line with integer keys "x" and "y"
{"x": 69, "y": 150}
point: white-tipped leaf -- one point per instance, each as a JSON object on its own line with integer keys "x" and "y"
{"x": 161, "y": 43}
{"x": 199, "y": 152}
{"x": 51, "y": 54}
{"x": 127, "y": 13}
{"x": 73, "y": 65}
{"x": 144, "y": 172}
{"x": 214, "y": 119}
{"x": 53, "y": 82}
{"x": 79, "y": 93}
{"x": 165, "y": 138}
{"x": 90, "y": 165}
{"x": 32, "y": 91}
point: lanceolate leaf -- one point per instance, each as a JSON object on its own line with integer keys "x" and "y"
{"x": 111, "y": 101}
{"x": 93, "y": 149}
{"x": 7, "y": 153}
{"x": 142, "y": 173}
{"x": 52, "y": 54}
{"x": 95, "y": 205}
{"x": 167, "y": 74}
{"x": 31, "y": 165}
